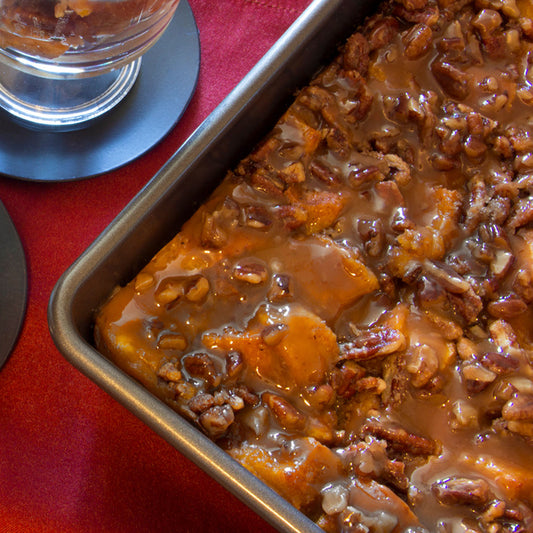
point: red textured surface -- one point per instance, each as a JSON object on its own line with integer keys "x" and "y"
{"x": 71, "y": 458}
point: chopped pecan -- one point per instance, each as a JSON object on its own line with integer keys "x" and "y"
{"x": 169, "y": 372}
{"x": 344, "y": 379}
{"x": 399, "y": 169}
{"x": 216, "y": 420}
{"x": 200, "y": 365}
{"x": 523, "y": 213}
{"x": 249, "y": 397}
{"x": 201, "y": 402}
{"x": 356, "y": 52}
{"x": 323, "y": 173}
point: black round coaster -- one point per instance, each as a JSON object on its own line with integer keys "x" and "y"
{"x": 13, "y": 285}
{"x": 166, "y": 82}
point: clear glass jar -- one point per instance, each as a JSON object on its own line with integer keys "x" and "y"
{"x": 66, "y": 62}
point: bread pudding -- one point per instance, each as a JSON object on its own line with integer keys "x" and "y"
{"x": 349, "y": 314}
{"x": 50, "y": 28}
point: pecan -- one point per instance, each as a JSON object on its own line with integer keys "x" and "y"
{"x": 523, "y": 213}
{"x": 443, "y": 162}
{"x": 462, "y": 491}
{"x": 200, "y": 365}
{"x": 293, "y": 173}
{"x": 201, "y": 402}
{"x": 465, "y": 414}
{"x": 507, "y": 307}
{"x": 373, "y": 343}
{"x": 212, "y": 235}
{"x": 523, "y": 285}
{"x": 364, "y": 175}
{"x": 501, "y": 263}
{"x": 370, "y": 384}
{"x": 169, "y": 372}
{"x": 453, "y": 81}
{"x": 246, "y": 394}
{"x": 394, "y": 474}
{"x": 477, "y": 378}
{"x": 373, "y": 235}
{"x": 400, "y": 221}
{"x": 143, "y": 281}
{"x": 474, "y": 147}
{"x": 356, "y": 52}
{"x": 390, "y": 193}
{"x": 285, "y": 413}
{"x": 399, "y": 440}
{"x": 256, "y": 217}
{"x": 519, "y": 408}
{"x": 500, "y": 363}
{"x": 264, "y": 181}
{"x": 321, "y": 396}
{"x": 344, "y": 379}
{"x": 281, "y": 287}
{"x": 382, "y": 32}
{"x": 398, "y": 169}
{"x": 253, "y": 273}
{"x": 223, "y": 396}
{"x": 447, "y": 277}
{"x": 185, "y": 390}
{"x": 169, "y": 291}
{"x": 323, "y": 173}
{"x": 216, "y": 420}
{"x": 412, "y": 5}
{"x": 423, "y": 364}
{"x": 417, "y": 40}
{"x": 197, "y": 290}
{"x": 172, "y": 341}
{"x": 273, "y": 334}
{"x": 234, "y": 364}
{"x": 468, "y": 304}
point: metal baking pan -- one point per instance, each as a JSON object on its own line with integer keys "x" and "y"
{"x": 156, "y": 214}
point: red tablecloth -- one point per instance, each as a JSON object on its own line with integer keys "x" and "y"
{"x": 71, "y": 458}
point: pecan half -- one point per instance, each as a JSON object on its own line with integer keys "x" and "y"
{"x": 399, "y": 440}
{"x": 373, "y": 343}
{"x": 462, "y": 491}
{"x": 285, "y": 413}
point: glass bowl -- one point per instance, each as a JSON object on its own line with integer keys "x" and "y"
{"x": 64, "y": 63}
